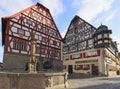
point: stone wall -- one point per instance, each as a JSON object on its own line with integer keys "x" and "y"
{"x": 14, "y": 62}
{"x": 17, "y": 62}
{"x": 33, "y": 81}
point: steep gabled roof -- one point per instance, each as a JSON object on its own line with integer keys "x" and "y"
{"x": 5, "y": 19}
{"x": 76, "y": 17}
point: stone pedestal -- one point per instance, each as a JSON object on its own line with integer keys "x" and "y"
{"x": 32, "y": 67}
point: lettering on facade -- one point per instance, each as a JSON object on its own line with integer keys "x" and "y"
{"x": 86, "y": 61}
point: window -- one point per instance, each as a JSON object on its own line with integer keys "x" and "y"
{"x": 56, "y": 53}
{"x": 20, "y": 44}
{"x": 55, "y": 43}
{"x": 52, "y": 32}
{"x": 99, "y": 42}
{"x": 23, "y": 45}
{"x": 29, "y": 21}
{"x": 43, "y": 51}
{"x": 16, "y": 44}
{"x": 90, "y": 43}
{"x": 99, "y": 36}
{"x": 106, "y": 41}
{"x": 44, "y": 39}
{"x": 76, "y": 30}
{"x": 105, "y": 35}
{"x": 20, "y": 31}
{"x": 44, "y": 30}
{"x": 37, "y": 48}
{"x": 86, "y": 66}
{"x": 78, "y": 67}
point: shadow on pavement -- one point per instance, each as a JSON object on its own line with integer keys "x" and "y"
{"x": 101, "y": 86}
{"x": 115, "y": 78}
{"x": 79, "y": 76}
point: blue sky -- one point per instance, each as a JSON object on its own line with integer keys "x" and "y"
{"x": 95, "y": 12}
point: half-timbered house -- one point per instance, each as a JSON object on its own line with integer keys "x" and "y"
{"x": 16, "y": 34}
{"x": 89, "y": 50}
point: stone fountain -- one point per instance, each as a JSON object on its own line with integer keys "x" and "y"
{"x": 33, "y": 79}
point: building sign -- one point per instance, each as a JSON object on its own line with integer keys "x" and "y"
{"x": 87, "y": 61}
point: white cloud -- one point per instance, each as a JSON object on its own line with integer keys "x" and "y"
{"x": 55, "y": 6}
{"x": 111, "y": 15}
{"x": 107, "y": 16}
{"x": 89, "y": 9}
{"x": 8, "y": 7}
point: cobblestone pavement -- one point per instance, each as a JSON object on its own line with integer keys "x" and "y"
{"x": 95, "y": 83}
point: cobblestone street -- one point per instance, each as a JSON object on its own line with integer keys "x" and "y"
{"x": 95, "y": 83}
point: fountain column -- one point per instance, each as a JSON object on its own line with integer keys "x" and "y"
{"x": 32, "y": 60}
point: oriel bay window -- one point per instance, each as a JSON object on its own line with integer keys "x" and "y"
{"x": 99, "y": 36}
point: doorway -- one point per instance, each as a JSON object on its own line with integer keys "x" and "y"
{"x": 94, "y": 69}
{"x": 70, "y": 69}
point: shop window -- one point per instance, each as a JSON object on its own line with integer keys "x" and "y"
{"x": 86, "y": 66}
{"x": 78, "y": 67}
